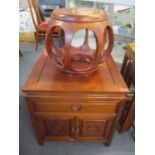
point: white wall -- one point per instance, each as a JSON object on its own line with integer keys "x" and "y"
{"x": 23, "y": 4}
{"x": 122, "y": 2}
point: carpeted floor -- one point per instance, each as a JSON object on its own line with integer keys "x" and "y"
{"x": 122, "y": 144}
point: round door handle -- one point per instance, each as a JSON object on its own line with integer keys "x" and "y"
{"x": 76, "y": 107}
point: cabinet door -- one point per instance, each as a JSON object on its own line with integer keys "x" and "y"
{"x": 57, "y": 127}
{"x": 95, "y": 127}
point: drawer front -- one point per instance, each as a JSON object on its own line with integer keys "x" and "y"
{"x": 47, "y": 106}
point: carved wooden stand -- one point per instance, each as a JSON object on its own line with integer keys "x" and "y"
{"x": 81, "y": 60}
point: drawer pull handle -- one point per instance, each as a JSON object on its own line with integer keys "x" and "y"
{"x": 76, "y": 107}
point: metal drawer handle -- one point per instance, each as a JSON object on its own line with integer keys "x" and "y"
{"x": 76, "y": 107}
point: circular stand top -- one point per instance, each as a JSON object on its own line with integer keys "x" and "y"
{"x": 79, "y": 15}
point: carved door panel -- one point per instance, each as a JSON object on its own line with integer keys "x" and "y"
{"x": 62, "y": 127}
{"x": 96, "y": 127}
{"x": 57, "y": 127}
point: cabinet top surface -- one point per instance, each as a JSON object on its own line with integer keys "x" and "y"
{"x": 45, "y": 77}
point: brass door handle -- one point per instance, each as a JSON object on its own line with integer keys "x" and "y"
{"x": 75, "y": 132}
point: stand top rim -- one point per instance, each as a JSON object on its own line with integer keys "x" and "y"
{"x": 79, "y": 15}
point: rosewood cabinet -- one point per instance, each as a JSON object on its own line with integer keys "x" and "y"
{"x": 69, "y": 108}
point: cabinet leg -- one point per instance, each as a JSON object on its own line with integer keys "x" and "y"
{"x": 107, "y": 144}
{"x": 40, "y": 142}
{"x": 20, "y": 53}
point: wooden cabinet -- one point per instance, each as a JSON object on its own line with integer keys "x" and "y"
{"x": 69, "y": 108}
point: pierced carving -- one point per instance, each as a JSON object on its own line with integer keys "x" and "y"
{"x": 85, "y": 58}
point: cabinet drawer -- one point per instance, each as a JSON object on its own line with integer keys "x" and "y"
{"x": 104, "y": 107}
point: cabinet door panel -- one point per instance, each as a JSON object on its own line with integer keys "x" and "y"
{"x": 91, "y": 128}
{"x": 96, "y": 127}
{"x": 57, "y": 127}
